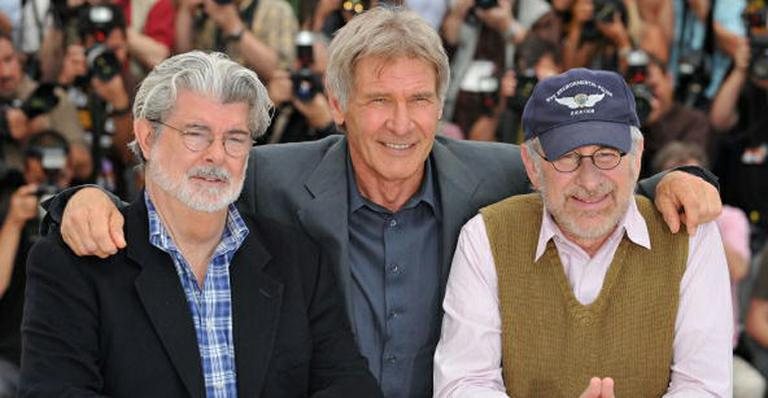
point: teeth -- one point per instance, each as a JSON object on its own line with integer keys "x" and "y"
{"x": 398, "y": 146}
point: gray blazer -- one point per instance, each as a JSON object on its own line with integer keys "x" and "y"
{"x": 305, "y": 185}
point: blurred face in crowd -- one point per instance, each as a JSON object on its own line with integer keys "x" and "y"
{"x": 588, "y": 202}
{"x": 663, "y": 91}
{"x": 391, "y": 118}
{"x": 207, "y": 180}
{"x": 10, "y": 69}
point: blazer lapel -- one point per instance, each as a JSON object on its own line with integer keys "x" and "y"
{"x": 325, "y": 215}
{"x": 256, "y": 301}
{"x": 162, "y": 295}
{"x": 457, "y": 185}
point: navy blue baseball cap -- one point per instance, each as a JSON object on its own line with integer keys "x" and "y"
{"x": 580, "y": 107}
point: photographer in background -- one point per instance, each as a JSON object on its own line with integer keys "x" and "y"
{"x": 739, "y": 112}
{"x": 47, "y": 170}
{"x": 91, "y": 63}
{"x": 302, "y": 112}
{"x": 256, "y": 33}
{"x": 667, "y": 119}
{"x": 481, "y": 36}
{"x": 16, "y": 126}
{"x": 702, "y": 47}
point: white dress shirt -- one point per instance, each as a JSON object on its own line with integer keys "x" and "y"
{"x": 468, "y": 357}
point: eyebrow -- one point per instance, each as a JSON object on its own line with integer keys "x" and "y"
{"x": 208, "y": 129}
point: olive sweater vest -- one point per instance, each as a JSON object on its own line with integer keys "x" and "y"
{"x": 552, "y": 344}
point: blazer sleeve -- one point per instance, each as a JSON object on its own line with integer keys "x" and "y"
{"x": 337, "y": 367}
{"x": 60, "y": 342}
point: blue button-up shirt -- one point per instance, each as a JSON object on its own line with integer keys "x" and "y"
{"x": 395, "y": 266}
{"x": 211, "y": 305}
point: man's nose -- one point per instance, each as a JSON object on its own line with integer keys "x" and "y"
{"x": 400, "y": 122}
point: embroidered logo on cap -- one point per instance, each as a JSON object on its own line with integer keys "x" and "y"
{"x": 580, "y": 103}
{"x": 580, "y": 100}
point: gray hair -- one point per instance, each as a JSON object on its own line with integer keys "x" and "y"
{"x": 206, "y": 73}
{"x": 387, "y": 32}
{"x": 534, "y": 148}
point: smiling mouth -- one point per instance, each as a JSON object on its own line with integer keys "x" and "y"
{"x": 398, "y": 147}
{"x": 209, "y": 180}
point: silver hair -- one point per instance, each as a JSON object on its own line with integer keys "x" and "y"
{"x": 387, "y": 32}
{"x": 534, "y": 148}
{"x": 211, "y": 74}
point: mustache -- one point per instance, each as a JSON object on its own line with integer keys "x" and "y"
{"x": 211, "y": 172}
{"x": 581, "y": 193}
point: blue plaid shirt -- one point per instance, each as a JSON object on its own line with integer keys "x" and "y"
{"x": 211, "y": 306}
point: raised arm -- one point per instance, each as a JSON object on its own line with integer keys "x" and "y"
{"x": 89, "y": 220}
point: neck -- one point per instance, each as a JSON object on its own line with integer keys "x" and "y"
{"x": 589, "y": 245}
{"x": 195, "y": 233}
{"x": 391, "y": 195}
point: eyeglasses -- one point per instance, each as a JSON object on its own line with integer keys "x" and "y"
{"x": 603, "y": 159}
{"x": 198, "y": 138}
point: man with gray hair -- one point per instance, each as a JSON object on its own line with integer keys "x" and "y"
{"x": 580, "y": 288}
{"x": 386, "y": 200}
{"x": 204, "y": 302}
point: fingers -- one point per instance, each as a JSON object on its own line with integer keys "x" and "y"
{"x": 87, "y": 226}
{"x": 669, "y": 210}
{"x": 593, "y": 390}
{"x": 606, "y": 390}
{"x": 116, "y": 222}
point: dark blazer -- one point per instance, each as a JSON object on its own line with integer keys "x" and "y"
{"x": 121, "y": 326}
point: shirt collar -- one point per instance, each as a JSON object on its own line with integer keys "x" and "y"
{"x": 426, "y": 193}
{"x": 632, "y": 222}
{"x": 235, "y": 230}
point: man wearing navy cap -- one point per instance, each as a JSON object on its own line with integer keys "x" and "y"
{"x": 579, "y": 289}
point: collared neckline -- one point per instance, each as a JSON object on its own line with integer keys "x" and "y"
{"x": 632, "y": 223}
{"x": 426, "y": 193}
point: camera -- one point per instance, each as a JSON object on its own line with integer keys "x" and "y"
{"x": 756, "y": 18}
{"x": 693, "y": 70}
{"x": 486, "y": 4}
{"x": 42, "y": 100}
{"x": 98, "y": 21}
{"x": 51, "y": 149}
{"x": 306, "y": 83}
{"x": 355, "y": 6}
{"x": 637, "y": 75}
{"x": 604, "y": 10}
{"x": 526, "y": 81}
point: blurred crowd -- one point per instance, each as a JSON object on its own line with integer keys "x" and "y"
{"x": 698, "y": 69}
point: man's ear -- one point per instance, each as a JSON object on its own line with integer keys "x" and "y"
{"x": 143, "y": 129}
{"x": 639, "y": 155}
{"x": 336, "y": 109}
{"x": 530, "y": 167}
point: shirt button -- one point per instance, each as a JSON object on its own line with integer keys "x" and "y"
{"x": 394, "y": 268}
{"x": 391, "y": 359}
{"x": 393, "y": 223}
{"x": 393, "y": 314}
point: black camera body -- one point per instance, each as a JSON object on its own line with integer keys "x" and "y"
{"x": 756, "y": 18}
{"x": 604, "y": 11}
{"x": 486, "y": 4}
{"x": 637, "y": 75}
{"x": 42, "y": 100}
{"x": 526, "y": 81}
{"x": 306, "y": 83}
{"x": 98, "y": 21}
{"x": 693, "y": 71}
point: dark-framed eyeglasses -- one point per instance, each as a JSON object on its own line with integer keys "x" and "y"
{"x": 603, "y": 159}
{"x": 198, "y": 138}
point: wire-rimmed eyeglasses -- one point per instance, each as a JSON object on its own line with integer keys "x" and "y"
{"x": 198, "y": 138}
{"x": 602, "y": 158}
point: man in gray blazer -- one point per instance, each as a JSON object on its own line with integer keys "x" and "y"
{"x": 385, "y": 201}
